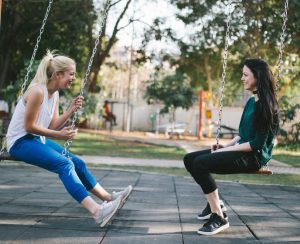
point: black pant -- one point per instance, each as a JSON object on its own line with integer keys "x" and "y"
{"x": 202, "y": 163}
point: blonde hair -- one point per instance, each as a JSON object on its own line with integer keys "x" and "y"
{"x": 49, "y": 65}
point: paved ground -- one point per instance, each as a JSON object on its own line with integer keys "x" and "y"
{"x": 34, "y": 208}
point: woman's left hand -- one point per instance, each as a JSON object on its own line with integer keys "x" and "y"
{"x": 218, "y": 150}
{"x": 76, "y": 103}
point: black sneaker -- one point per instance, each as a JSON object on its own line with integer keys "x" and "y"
{"x": 207, "y": 212}
{"x": 214, "y": 225}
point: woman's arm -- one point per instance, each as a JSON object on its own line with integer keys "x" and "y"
{"x": 34, "y": 99}
{"x": 233, "y": 141}
{"x": 57, "y": 121}
{"x": 254, "y": 145}
{"x": 244, "y": 147}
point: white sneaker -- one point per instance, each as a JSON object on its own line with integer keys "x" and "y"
{"x": 124, "y": 194}
{"x": 107, "y": 211}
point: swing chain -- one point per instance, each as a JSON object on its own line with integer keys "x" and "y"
{"x": 68, "y": 143}
{"x": 35, "y": 50}
{"x": 281, "y": 45}
{"x": 224, "y": 70}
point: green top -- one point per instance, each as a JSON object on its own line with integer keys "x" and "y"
{"x": 261, "y": 143}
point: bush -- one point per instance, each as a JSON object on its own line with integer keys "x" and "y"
{"x": 288, "y": 112}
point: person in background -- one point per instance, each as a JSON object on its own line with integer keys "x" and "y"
{"x": 108, "y": 115}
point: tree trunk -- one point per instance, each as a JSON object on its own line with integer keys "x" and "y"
{"x": 0, "y": 11}
{"x": 4, "y": 69}
{"x": 101, "y": 55}
{"x": 7, "y": 46}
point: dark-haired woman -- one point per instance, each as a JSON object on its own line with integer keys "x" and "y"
{"x": 247, "y": 152}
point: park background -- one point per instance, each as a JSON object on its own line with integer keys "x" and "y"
{"x": 154, "y": 60}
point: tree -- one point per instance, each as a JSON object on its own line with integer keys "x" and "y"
{"x": 200, "y": 51}
{"x": 173, "y": 90}
{"x": 0, "y": 11}
{"x": 106, "y": 42}
{"x": 289, "y": 131}
{"x": 255, "y": 31}
{"x": 64, "y": 32}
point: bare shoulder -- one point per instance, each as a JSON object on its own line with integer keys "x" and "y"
{"x": 34, "y": 93}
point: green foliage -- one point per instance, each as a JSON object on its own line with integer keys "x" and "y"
{"x": 66, "y": 31}
{"x": 255, "y": 32}
{"x": 173, "y": 90}
{"x": 96, "y": 144}
{"x": 10, "y": 95}
{"x": 90, "y": 104}
{"x": 288, "y": 111}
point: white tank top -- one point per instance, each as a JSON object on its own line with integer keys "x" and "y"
{"x": 16, "y": 127}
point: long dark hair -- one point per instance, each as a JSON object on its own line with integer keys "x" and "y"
{"x": 266, "y": 111}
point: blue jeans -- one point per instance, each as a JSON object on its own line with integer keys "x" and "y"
{"x": 72, "y": 172}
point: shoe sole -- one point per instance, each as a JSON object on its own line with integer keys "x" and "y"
{"x": 208, "y": 216}
{"x": 224, "y": 227}
{"x": 107, "y": 219}
{"x": 125, "y": 198}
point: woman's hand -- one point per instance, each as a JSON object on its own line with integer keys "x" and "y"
{"x": 215, "y": 147}
{"x": 76, "y": 104}
{"x": 67, "y": 133}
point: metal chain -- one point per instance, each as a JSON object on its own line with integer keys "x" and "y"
{"x": 68, "y": 143}
{"x": 35, "y": 50}
{"x": 281, "y": 45}
{"x": 23, "y": 87}
{"x": 224, "y": 71}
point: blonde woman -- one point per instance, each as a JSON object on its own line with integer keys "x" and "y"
{"x": 36, "y": 118}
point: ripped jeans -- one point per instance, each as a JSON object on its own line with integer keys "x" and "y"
{"x": 73, "y": 173}
{"x": 201, "y": 164}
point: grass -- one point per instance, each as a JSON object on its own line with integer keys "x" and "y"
{"x": 278, "y": 179}
{"x": 95, "y": 144}
{"x": 288, "y": 154}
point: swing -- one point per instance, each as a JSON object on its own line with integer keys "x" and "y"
{"x": 265, "y": 169}
{"x": 5, "y": 155}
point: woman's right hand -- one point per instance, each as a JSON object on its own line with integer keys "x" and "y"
{"x": 216, "y": 147}
{"x": 67, "y": 133}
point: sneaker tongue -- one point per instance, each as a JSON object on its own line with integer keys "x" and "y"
{"x": 214, "y": 218}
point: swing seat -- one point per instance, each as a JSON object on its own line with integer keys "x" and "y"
{"x": 263, "y": 171}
